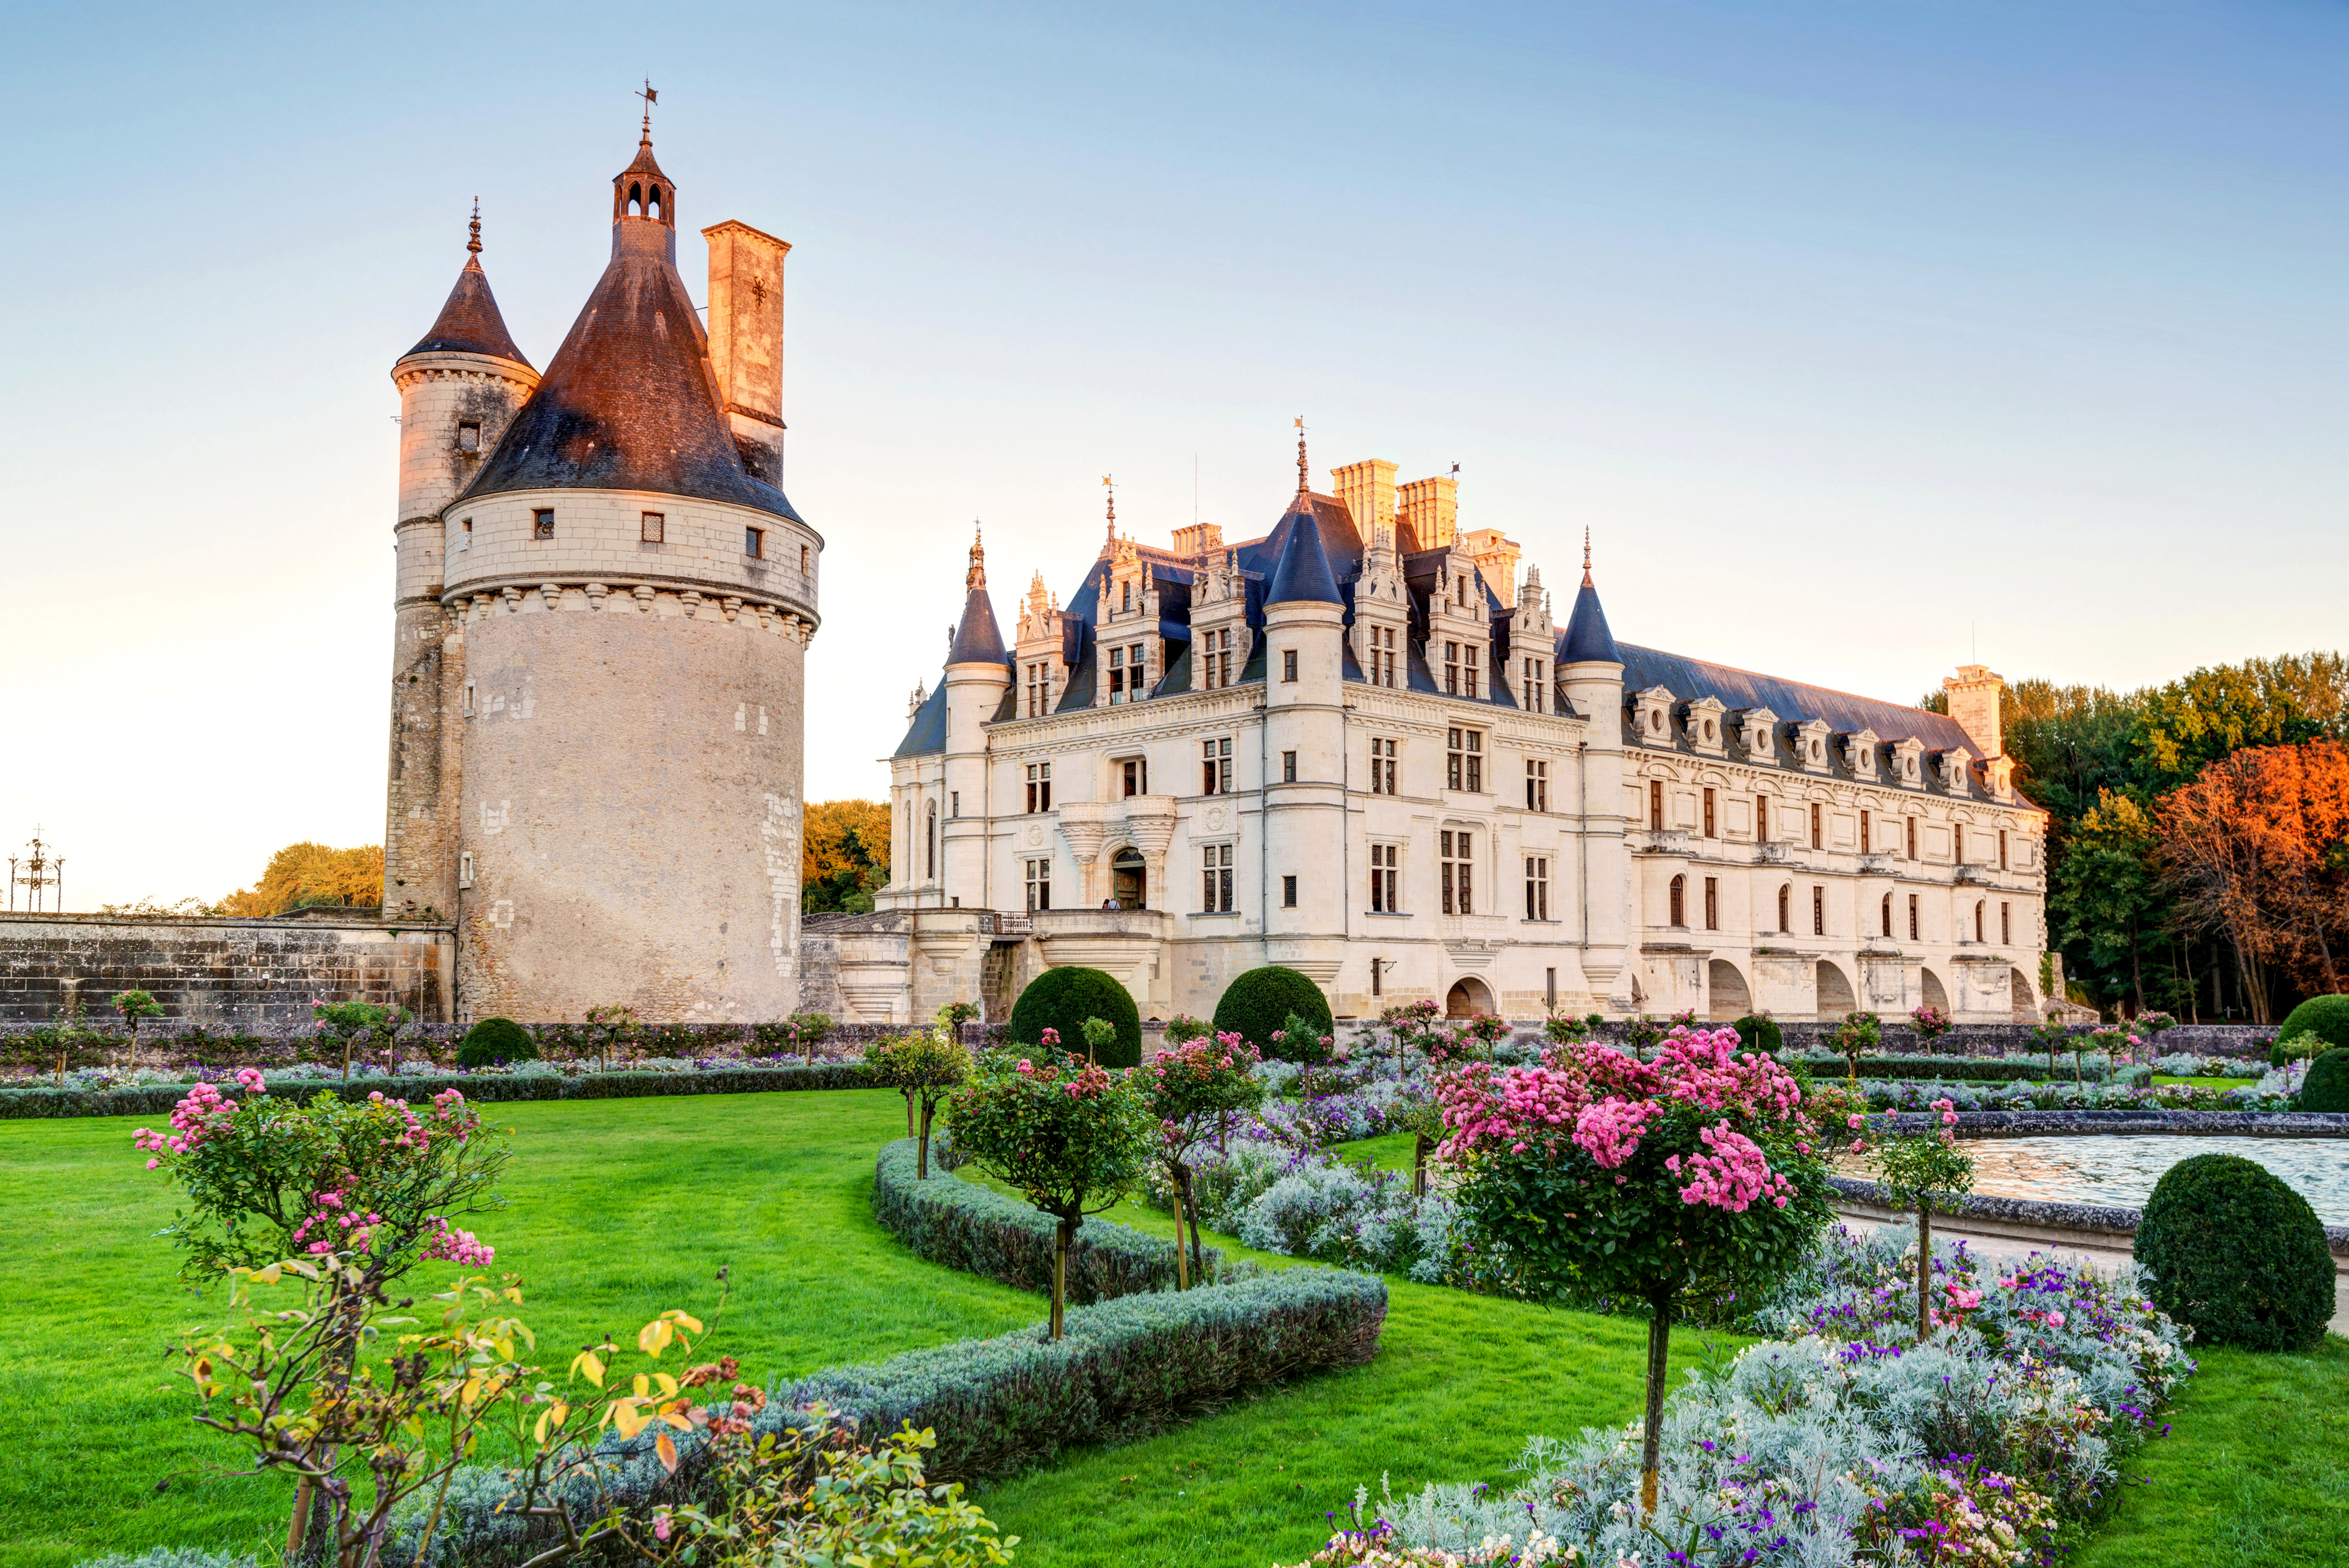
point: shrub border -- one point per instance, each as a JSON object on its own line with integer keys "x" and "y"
{"x": 482, "y": 1088}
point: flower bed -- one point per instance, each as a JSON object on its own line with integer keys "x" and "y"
{"x": 1992, "y": 1443}
{"x": 2273, "y": 1091}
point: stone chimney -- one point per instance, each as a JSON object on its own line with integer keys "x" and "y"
{"x": 1430, "y": 513}
{"x": 1497, "y": 558}
{"x": 1199, "y": 539}
{"x": 746, "y": 340}
{"x": 1974, "y": 695}
{"x": 1368, "y": 488}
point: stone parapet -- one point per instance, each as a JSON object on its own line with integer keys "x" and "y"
{"x": 221, "y": 971}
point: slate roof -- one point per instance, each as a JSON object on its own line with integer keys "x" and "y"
{"x": 1586, "y": 637}
{"x": 470, "y": 322}
{"x": 977, "y": 640}
{"x": 1303, "y": 574}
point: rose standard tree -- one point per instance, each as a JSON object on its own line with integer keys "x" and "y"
{"x": 1913, "y": 1172}
{"x": 1663, "y": 1182}
{"x": 924, "y": 1066}
{"x": 1194, "y": 1089}
{"x": 1072, "y": 1138}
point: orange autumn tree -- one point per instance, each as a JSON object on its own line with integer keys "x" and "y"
{"x": 2256, "y": 849}
{"x": 843, "y": 854}
{"x": 305, "y": 874}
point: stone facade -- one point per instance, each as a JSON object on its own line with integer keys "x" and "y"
{"x": 221, "y": 971}
{"x": 1353, "y": 748}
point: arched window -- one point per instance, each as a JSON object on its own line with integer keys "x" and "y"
{"x": 656, "y": 205}
{"x": 930, "y": 846}
{"x": 1679, "y": 901}
{"x": 635, "y": 201}
{"x": 1978, "y": 919}
{"x": 1887, "y": 915}
{"x": 1785, "y": 908}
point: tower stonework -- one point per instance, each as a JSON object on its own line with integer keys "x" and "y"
{"x": 623, "y": 600}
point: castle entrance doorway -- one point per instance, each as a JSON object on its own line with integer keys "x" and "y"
{"x": 1468, "y": 997}
{"x": 1129, "y": 879}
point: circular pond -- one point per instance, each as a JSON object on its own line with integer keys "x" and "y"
{"x": 2118, "y": 1170}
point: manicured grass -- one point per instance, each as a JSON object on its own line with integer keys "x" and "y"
{"x": 2254, "y": 1474}
{"x": 2206, "y": 1082}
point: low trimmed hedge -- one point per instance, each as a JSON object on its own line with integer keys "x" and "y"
{"x": 156, "y": 1100}
{"x": 977, "y": 1230}
{"x": 1978, "y": 1069}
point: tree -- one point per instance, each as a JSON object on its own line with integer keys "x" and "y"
{"x": 347, "y": 1023}
{"x": 612, "y": 1026}
{"x": 1661, "y": 1183}
{"x": 1299, "y": 1040}
{"x": 1914, "y": 1171}
{"x": 134, "y": 1005}
{"x": 2110, "y": 903}
{"x": 308, "y": 875}
{"x": 1193, "y": 1088}
{"x": 924, "y": 1066}
{"x": 1858, "y": 1032}
{"x": 843, "y": 854}
{"x": 1072, "y": 1140}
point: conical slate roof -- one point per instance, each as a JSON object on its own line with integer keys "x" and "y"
{"x": 976, "y": 639}
{"x": 470, "y": 322}
{"x": 1303, "y": 573}
{"x": 1587, "y": 638}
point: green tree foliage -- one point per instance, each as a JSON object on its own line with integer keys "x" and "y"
{"x": 2236, "y": 1255}
{"x": 2326, "y": 1088}
{"x": 2326, "y": 1017}
{"x": 924, "y": 1066}
{"x": 1258, "y": 1003}
{"x": 493, "y": 1042}
{"x": 1196, "y": 1089}
{"x": 1062, "y": 1000}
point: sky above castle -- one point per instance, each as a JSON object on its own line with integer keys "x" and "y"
{"x": 1862, "y": 336}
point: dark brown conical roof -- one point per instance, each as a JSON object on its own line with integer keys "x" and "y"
{"x": 470, "y": 322}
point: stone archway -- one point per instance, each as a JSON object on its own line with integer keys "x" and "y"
{"x": 1468, "y": 997}
{"x": 1129, "y": 878}
{"x": 1835, "y": 997}
{"x": 1727, "y": 992}
{"x": 2024, "y": 1006}
{"x": 1936, "y": 995}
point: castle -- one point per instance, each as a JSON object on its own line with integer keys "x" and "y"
{"x": 1360, "y": 746}
{"x": 603, "y": 613}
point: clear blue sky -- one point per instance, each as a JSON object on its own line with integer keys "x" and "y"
{"x": 1859, "y": 335}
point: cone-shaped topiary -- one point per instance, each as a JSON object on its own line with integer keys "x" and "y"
{"x": 2326, "y": 1017}
{"x": 493, "y": 1042}
{"x": 1759, "y": 1034}
{"x": 1063, "y": 999}
{"x": 2236, "y": 1255}
{"x": 1260, "y": 1001}
{"x": 2326, "y": 1088}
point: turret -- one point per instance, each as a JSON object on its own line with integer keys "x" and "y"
{"x": 977, "y": 676}
{"x": 459, "y": 388}
{"x": 1590, "y": 672}
{"x": 1305, "y": 735}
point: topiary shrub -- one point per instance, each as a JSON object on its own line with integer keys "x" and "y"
{"x": 1063, "y": 999}
{"x": 2326, "y": 1017}
{"x": 1259, "y": 1002}
{"x": 2236, "y": 1255}
{"x": 2326, "y": 1088}
{"x": 493, "y": 1042}
{"x": 1759, "y": 1034}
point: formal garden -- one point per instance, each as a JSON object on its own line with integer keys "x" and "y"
{"x": 1279, "y": 1291}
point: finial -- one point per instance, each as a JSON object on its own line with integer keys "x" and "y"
{"x": 1586, "y": 557}
{"x": 1109, "y": 482}
{"x": 474, "y": 244}
{"x": 651, "y": 96}
{"x": 975, "y": 578}
{"x": 1303, "y": 482}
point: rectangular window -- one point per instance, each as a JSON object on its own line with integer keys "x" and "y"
{"x": 1459, "y": 871}
{"x": 1467, "y": 669}
{"x": 1913, "y": 841}
{"x": 1375, "y": 977}
{"x": 1887, "y": 915}
{"x": 1216, "y": 894}
{"x": 469, "y": 696}
{"x": 1536, "y": 784}
{"x": 1116, "y": 676}
{"x": 1039, "y": 884}
{"x": 1865, "y": 845}
{"x": 465, "y": 869}
{"x": 1761, "y": 818}
{"x": 1708, "y": 816}
{"x": 1289, "y": 892}
{"x": 2002, "y": 849}
{"x": 1136, "y": 667}
{"x": 954, "y": 802}
{"x": 1039, "y": 690}
{"x": 1215, "y": 760}
{"x": 1535, "y": 689}
{"x": 1463, "y": 760}
{"x": 1536, "y": 887}
{"x": 804, "y": 562}
{"x": 1386, "y": 879}
{"x": 1712, "y": 903}
{"x": 1384, "y": 657}
{"x": 652, "y": 527}
{"x": 1819, "y": 912}
{"x": 2005, "y": 924}
{"x": 465, "y": 535}
{"x": 1040, "y": 787}
{"x": 1656, "y": 804}
{"x": 1288, "y": 665}
{"x": 1289, "y": 767}
{"x": 1383, "y": 767}
{"x": 1818, "y": 827}
{"x": 468, "y": 436}
{"x": 1912, "y": 917}
{"x": 1136, "y": 776}
{"x": 1215, "y": 659}
{"x": 1550, "y": 989}
{"x": 541, "y": 522}
{"x": 1451, "y": 669}
{"x": 1978, "y": 919}
{"x": 754, "y": 543}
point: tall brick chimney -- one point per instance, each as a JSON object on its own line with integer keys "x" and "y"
{"x": 1368, "y": 488}
{"x": 746, "y": 340}
{"x": 1430, "y": 513}
{"x": 1974, "y": 694}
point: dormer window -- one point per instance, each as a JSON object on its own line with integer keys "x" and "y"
{"x": 1651, "y": 718}
{"x": 468, "y": 436}
{"x": 1704, "y": 724}
{"x": 1758, "y": 732}
{"x": 1906, "y": 756}
{"x": 1859, "y": 751}
{"x": 1811, "y": 745}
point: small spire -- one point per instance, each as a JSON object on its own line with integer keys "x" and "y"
{"x": 474, "y": 244}
{"x": 1304, "y": 483}
{"x": 651, "y": 96}
{"x": 1109, "y": 483}
{"x": 977, "y": 576}
{"x": 1585, "y": 558}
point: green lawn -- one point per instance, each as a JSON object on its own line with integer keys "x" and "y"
{"x": 2206, "y": 1082}
{"x": 622, "y": 1207}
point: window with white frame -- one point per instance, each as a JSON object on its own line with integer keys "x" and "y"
{"x": 1536, "y": 784}
{"x": 1535, "y": 699}
{"x": 1451, "y": 669}
{"x": 1215, "y": 765}
{"x": 1215, "y": 659}
{"x": 1463, "y": 760}
{"x": 1380, "y": 668}
{"x": 1536, "y": 887}
{"x": 1134, "y": 775}
{"x": 1039, "y": 884}
{"x": 1040, "y": 786}
{"x": 1382, "y": 765}
{"x": 1386, "y": 879}
{"x": 1127, "y": 673}
{"x": 1039, "y": 690}
{"x": 1457, "y": 861}
{"x": 1216, "y": 892}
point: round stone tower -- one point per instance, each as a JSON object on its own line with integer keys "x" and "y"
{"x": 634, "y": 596}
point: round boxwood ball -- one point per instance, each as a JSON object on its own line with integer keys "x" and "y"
{"x": 1064, "y": 998}
{"x": 493, "y": 1042}
{"x": 1259, "y": 1002}
{"x": 1760, "y": 1034}
{"x": 2326, "y": 1087}
{"x": 2236, "y": 1255}
{"x": 2326, "y": 1017}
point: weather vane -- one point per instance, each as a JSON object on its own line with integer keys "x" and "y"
{"x": 1303, "y": 483}
{"x": 651, "y": 96}
{"x": 1109, "y": 482}
{"x": 474, "y": 244}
